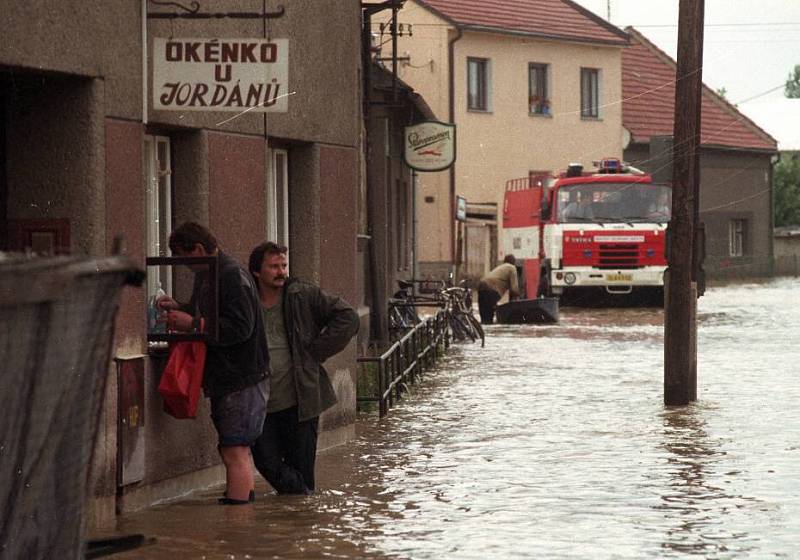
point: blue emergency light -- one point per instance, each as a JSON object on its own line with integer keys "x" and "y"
{"x": 610, "y": 164}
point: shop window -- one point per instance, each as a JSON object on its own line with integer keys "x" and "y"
{"x": 158, "y": 189}
{"x": 278, "y": 198}
{"x": 737, "y": 234}
{"x": 590, "y": 93}
{"x": 538, "y": 86}
{"x": 477, "y": 84}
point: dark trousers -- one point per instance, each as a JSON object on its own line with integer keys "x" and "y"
{"x": 286, "y": 451}
{"x": 487, "y": 301}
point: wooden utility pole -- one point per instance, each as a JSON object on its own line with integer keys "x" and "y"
{"x": 680, "y": 326}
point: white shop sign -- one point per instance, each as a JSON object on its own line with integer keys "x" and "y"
{"x": 191, "y": 74}
{"x": 430, "y": 146}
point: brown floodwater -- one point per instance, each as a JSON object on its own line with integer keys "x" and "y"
{"x": 551, "y": 442}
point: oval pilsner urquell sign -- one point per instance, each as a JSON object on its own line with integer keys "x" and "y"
{"x": 430, "y": 146}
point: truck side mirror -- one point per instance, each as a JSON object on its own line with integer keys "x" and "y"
{"x": 545, "y": 208}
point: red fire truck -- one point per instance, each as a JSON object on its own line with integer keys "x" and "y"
{"x": 588, "y": 236}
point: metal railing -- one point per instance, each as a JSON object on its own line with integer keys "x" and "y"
{"x": 404, "y": 361}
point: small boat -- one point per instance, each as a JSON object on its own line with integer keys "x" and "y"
{"x": 541, "y": 310}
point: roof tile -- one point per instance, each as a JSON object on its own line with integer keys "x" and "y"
{"x": 559, "y": 19}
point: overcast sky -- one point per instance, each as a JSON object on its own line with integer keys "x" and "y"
{"x": 750, "y": 46}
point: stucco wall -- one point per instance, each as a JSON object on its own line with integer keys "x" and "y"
{"x": 787, "y": 255}
{"x": 237, "y": 180}
{"x": 338, "y": 227}
{"x": 125, "y": 216}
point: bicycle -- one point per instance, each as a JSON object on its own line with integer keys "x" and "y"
{"x": 402, "y": 313}
{"x": 458, "y": 309}
{"x": 456, "y": 302}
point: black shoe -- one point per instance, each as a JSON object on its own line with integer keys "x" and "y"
{"x": 225, "y": 501}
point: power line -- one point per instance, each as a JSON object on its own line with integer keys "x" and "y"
{"x": 753, "y": 24}
{"x": 756, "y": 96}
{"x": 654, "y": 25}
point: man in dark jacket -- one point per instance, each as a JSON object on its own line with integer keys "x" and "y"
{"x": 236, "y": 363}
{"x": 305, "y": 326}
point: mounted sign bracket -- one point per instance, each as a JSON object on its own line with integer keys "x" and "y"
{"x": 195, "y": 13}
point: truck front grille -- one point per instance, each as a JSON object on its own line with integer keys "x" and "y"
{"x": 619, "y": 255}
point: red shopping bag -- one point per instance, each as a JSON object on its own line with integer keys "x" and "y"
{"x": 183, "y": 378}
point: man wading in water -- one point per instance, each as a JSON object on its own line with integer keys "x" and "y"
{"x": 305, "y": 326}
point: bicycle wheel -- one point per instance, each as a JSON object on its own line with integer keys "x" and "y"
{"x": 464, "y": 327}
{"x": 456, "y": 327}
{"x": 478, "y": 328}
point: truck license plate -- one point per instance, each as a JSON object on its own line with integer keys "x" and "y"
{"x": 619, "y": 277}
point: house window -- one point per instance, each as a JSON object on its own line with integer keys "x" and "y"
{"x": 477, "y": 84}
{"x": 278, "y": 198}
{"x": 158, "y": 195}
{"x": 538, "y": 99}
{"x": 590, "y": 93}
{"x": 737, "y": 230}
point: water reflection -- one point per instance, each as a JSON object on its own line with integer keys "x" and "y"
{"x": 693, "y": 505}
{"x": 552, "y": 442}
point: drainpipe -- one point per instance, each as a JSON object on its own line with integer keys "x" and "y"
{"x": 452, "y": 113}
{"x": 144, "y": 62}
{"x": 378, "y": 325}
{"x": 414, "y": 252}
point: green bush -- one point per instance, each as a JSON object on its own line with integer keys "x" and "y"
{"x": 787, "y": 192}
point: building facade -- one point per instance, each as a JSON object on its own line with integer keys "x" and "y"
{"x": 85, "y": 156}
{"x": 531, "y": 86}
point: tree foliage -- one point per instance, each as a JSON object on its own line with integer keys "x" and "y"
{"x": 793, "y": 84}
{"x": 787, "y": 192}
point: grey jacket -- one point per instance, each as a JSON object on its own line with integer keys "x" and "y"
{"x": 318, "y": 326}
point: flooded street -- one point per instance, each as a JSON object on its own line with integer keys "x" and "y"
{"x": 552, "y": 442}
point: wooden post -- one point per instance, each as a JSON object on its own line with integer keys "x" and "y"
{"x": 679, "y": 318}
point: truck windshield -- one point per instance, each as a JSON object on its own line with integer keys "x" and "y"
{"x": 613, "y": 202}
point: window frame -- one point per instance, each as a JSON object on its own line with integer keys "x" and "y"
{"x": 278, "y": 197}
{"x": 158, "y": 208}
{"x": 737, "y": 237}
{"x": 481, "y": 98}
{"x": 543, "y": 108}
{"x": 590, "y": 83}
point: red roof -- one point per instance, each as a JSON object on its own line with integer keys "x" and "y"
{"x": 552, "y": 19}
{"x": 648, "y": 106}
